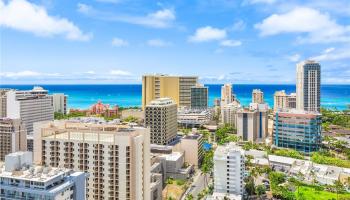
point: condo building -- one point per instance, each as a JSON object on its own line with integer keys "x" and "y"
{"x": 116, "y": 157}
{"x": 3, "y": 101}
{"x": 199, "y": 97}
{"x": 229, "y": 113}
{"x": 177, "y": 88}
{"x": 161, "y": 118}
{"x": 252, "y": 123}
{"x": 229, "y": 171}
{"x": 13, "y": 136}
{"x": 257, "y": 96}
{"x": 30, "y": 106}
{"x": 59, "y": 103}
{"x": 308, "y": 86}
{"x": 296, "y": 129}
{"x": 226, "y": 94}
{"x": 20, "y": 179}
{"x": 283, "y": 101}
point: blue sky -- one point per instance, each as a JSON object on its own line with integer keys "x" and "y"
{"x": 116, "y": 41}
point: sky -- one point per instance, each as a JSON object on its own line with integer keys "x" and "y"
{"x": 221, "y": 41}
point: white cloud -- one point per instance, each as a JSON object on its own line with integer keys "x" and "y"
{"x": 239, "y": 25}
{"x": 230, "y": 43}
{"x": 90, "y": 72}
{"x": 120, "y": 73}
{"x": 259, "y": 1}
{"x": 319, "y": 27}
{"x": 109, "y": 1}
{"x": 118, "y": 42}
{"x": 332, "y": 54}
{"x": 294, "y": 57}
{"x": 83, "y": 8}
{"x": 208, "y": 33}
{"x": 162, "y": 18}
{"x": 26, "y": 73}
{"x": 158, "y": 43}
{"x": 25, "y": 16}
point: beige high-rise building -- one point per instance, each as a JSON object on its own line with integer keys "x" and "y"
{"x": 229, "y": 113}
{"x": 3, "y": 100}
{"x": 177, "y": 88}
{"x": 226, "y": 94}
{"x": 13, "y": 137}
{"x": 283, "y": 100}
{"x": 257, "y": 96}
{"x": 161, "y": 118}
{"x": 116, "y": 157}
{"x": 308, "y": 86}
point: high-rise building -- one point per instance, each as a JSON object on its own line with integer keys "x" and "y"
{"x": 30, "y": 106}
{"x": 229, "y": 113}
{"x": 257, "y": 96}
{"x": 226, "y": 94}
{"x": 20, "y": 179}
{"x": 229, "y": 170}
{"x": 13, "y": 137}
{"x": 284, "y": 101}
{"x": 252, "y": 124}
{"x": 308, "y": 85}
{"x": 199, "y": 97}
{"x": 297, "y": 129}
{"x": 177, "y": 88}
{"x": 3, "y": 102}
{"x": 161, "y": 118}
{"x": 116, "y": 157}
{"x": 59, "y": 102}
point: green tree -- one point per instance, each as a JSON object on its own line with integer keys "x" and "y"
{"x": 260, "y": 190}
{"x": 338, "y": 187}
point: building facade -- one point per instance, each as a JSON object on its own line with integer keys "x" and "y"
{"x": 13, "y": 136}
{"x": 199, "y": 97}
{"x": 161, "y": 118}
{"x": 308, "y": 86}
{"x": 20, "y": 179}
{"x": 177, "y": 88}
{"x": 229, "y": 170}
{"x": 252, "y": 124}
{"x": 30, "y": 106}
{"x": 299, "y": 130}
{"x": 257, "y": 96}
{"x": 226, "y": 94}
{"x": 116, "y": 157}
{"x": 229, "y": 113}
{"x": 282, "y": 100}
{"x": 59, "y": 103}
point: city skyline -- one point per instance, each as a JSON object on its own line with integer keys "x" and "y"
{"x": 117, "y": 41}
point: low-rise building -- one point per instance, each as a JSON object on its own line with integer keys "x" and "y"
{"x": 20, "y": 179}
{"x": 193, "y": 118}
{"x": 298, "y": 130}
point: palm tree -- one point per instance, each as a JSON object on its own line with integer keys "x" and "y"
{"x": 189, "y": 197}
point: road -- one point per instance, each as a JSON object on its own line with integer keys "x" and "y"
{"x": 197, "y": 185}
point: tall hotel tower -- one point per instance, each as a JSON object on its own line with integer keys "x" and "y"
{"x": 308, "y": 86}
{"x": 116, "y": 157}
{"x": 226, "y": 94}
{"x": 177, "y": 88}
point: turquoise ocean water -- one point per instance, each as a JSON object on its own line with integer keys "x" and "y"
{"x": 82, "y": 96}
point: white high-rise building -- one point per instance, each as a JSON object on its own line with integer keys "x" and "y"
{"x": 13, "y": 137}
{"x": 59, "y": 103}
{"x": 229, "y": 113}
{"x": 229, "y": 170}
{"x": 30, "y": 106}
{"x": 20, "y": 179}
{"x": 161, "y": 118}
{"x": 257, "y": 96}
{"x": 116, "y": 157}
{"x": 226, "y": 94}
{"x": 308, "y": 86}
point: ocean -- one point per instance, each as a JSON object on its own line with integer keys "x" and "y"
{"x": 83, "y": 96}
